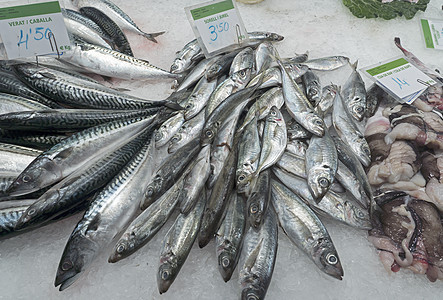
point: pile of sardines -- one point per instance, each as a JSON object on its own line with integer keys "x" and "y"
{"x": 248, "y": 140}
{"x": 406, "y": 170}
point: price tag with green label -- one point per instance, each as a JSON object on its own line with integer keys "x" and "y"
{"x": 217, "y": 26}
{"x": 432, "y": 33}
{"x": 400, "y": 78}
{"x": 33, "y": 29}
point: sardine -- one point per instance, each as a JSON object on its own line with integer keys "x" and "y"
{"x": 229, "y": 236}
{"x": 305, "y": 230}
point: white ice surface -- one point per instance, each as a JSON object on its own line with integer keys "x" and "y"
{"x": 28, "y": 262}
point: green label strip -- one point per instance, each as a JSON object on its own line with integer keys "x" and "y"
{"x": 212, "y": 9}
{"x": 29, "y": 10}
{"x": 386, "y": 67}
{"x": 427, "y": 33}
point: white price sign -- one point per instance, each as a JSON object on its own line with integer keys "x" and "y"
{"x": 217, "y": 26}
{"x": 33, "y": 29}
{"x": 401, "y": 78}
{"x": 432, "y": 33}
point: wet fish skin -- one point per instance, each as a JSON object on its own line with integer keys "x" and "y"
{"x": 168, "y": 172}
{"x": 198, "y": 98}
{"x": 167, "y": 130}
{"x": 242, "y": 61}
{"x": 321, "y": 165}
{"x": 305, "y": 230}
{"x": 65, "y": 157}
{"x": 177, "y": 244}
{"x": 221, "y": 65}
{"x": 312, "y": 86}
{"x": 296, "y": 131}
{"x": 196, "y": 73}
{"x": 298, "y": 105}
{"x": 118, "y": 15}
{"x": 256, "y": 37}
{"x": 292, "y": 163}
{"x": 327, "y": 63}
{"x": 326, "y": 100}
{"x": 257, "y": 202}
{"x": 10, "y": 212}
{"x": 354, "y": 95}
{"x": 189, "y": 131}
{"x": 271, "y": 78}
{"x": 110, "y": 27}
{"x": 14, "y": 159}
{"x": 258, "y": 256}
{"x": 229, "y": 236}
{"x": 348, "y": 131}
{"x": 186, "y": 57}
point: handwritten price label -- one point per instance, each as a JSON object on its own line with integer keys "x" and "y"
{"x": 401, "y": 78}
{"x": 33, "y": 29}
{"x": 217, "y": 26}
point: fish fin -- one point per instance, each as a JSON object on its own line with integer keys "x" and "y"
{"x": 47, "y": 75}
{"x": 151, "y": 36}
{"x": 64, "y": 154}
{"x": 122, "y": 90}
{"x": 93, "y": 225}
{"x": 354, "y": 65}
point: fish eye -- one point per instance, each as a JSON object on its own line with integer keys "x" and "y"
{"x": 174, "y": 139}
{"x": 323, "y": 182}
{"x": 26, "y": 178}
{"x": 31, "y": 212}
{"x": 252, "y": 297}
{"x": 150, "y": 191}
{"x": 226, "y": 262}
{"x": 241, "y": 178}
{"x": 121, "y": 248}
{"x": 318, "y": 122}
{"x": 273, "y": 113}
{"x": 360, "y": 214}
{"x": 158, "y": 136}
{"x": 165, "y": 275}
{"x": 331, "y": 259}
{"x": 313, "y": 92}
{"x": 242, "y": 73}
{"x": 359, "y": 109}
{"x": 253, "y": 208}
{"x": 67, "y": 265}
{"x": 209, "y": 133}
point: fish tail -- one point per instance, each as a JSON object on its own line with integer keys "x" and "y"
{"x": 151, "y": 36}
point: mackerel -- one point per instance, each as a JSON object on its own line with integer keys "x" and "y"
{"x": 11, "y": 103}
{"x": 186, "y": 57}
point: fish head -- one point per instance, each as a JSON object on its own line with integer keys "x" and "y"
{"x": 208, "y": 134}
{"x": 272, "y": 36}
{"x": 178, "y": 66}
{"x": 275, "y": 116}
{"x": 314, "y": 123}
{"x": 244, "y": 181}
{"x": 42, "y": 172}
{"x": 174, "y": 143}
{"x": 226, "y": 262}
{"x": 123, "y": 248}
{"x": 319, "y": 181}
{"x": 213, "y": 70}
{"x": 151, "y": 192}
{"x": 242, "y": 77}
{"x": 252, "y": 293}
{"x": 255, "y": 213}
{"x": 357, "y": 107}
{"x": 326, "y": 258}
{"x": 167, "y": 272}
{"x": 77, "y": 256}
{"x": 358, "y": 216}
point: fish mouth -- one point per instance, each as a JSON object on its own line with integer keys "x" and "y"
{"x": 65, "y": 279}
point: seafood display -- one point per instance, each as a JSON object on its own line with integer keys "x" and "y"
{"x": 249, "y": 149}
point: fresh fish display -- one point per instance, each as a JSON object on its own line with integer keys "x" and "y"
{"x": 354, "y": 95}
{"x": 327, "y": 63}
{"x": 312, "y": 86}
{"x": 258, "y": 200}
{"x": 117, "y": 15}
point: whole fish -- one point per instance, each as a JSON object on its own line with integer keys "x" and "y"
{"x": 257, "y": 258}
{"x": 248, "y": 157}
{"x": 296, "y": 131}
{"x": 217, "y": 201}
{"x": 62, "y": 120}
{"x": 258, "y": 200}
{"x": 10, "y": 212}
{"x": 348, "y": 131}
{"x": 312, "y": 86}
{"x": 242, "y": 61}
{"x": 168, "y": 129}
{"x": 271, "y": 78}
{"x": 327, "y": 63}
{"x": 189, "y": 131}
{"x": 169, "y": 171}
{"x": 326, "y": 100}
{"x": 296, "y": 71}
{"x": 84, "y": 27}
{"x": 321, "y": 165}
{"x": 220, "y": 93}
{"x": 110, "y": 63}
{"x": 77, "y": 187}
{"x": 194, "y": 181}
{"x": 229, "y": 236}
{"x": 298, "y": 105}
{"x": 177, "y": 244}
{"x": 305, "y": 230}
{"x": 350, "y": 182}
{"x": 273, "y": 141}
{"x": 143, "y": 228}
{"x": 110, "y": 27}
{"x": 108, "y": 214}
{"x": 354, "y": 95}
{"x": 264, "y": 55}
{"x": 76, "y": 92}
{"x": 118, "y": 15}
{"x": 338, "y": 206}
{"x": 186, "y": 57}
{"x": 257, "y": 37}
{"x": 297, "y": 147}
{"x": 297, "y": 59}
{"x": 68, "y": 155}
{"x": 198, "y": 98}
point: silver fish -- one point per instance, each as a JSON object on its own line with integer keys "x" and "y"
{"x": 321, "y": 165}
{"x": 198, "y": 98}
{"x": 348, "y": 131}
{"x": 298, "y": 105}
{"x": 312, "y": 86}
{"x": 196, "y": 73}
{"x": 297, "y": 147}
{"x": 189, "y": 131}
{"x": 264, "y": 55}
{"x": 305, "y": 230}
{"x": 354, "y": 95}
{"x": 296, "y": 131}
{"x": 258, "y": 200}
{"x": 229, "y": 236}
{"x": 292, "y": 163}
{"x": 257, "y": 259}
{"x": 349, "y": 181}
{"x": 221, "y": 65}
{"x": 177, "y": 244}
{"x": 271, "y": 78}
{"x": 221, "y": 92}
{"x": 326, "y": 100}
{"x": 168, "y": 129}
{"x": 190, "y": 53}
{"x": 257, "y": 37}
{"x": 11, "y": 103}
{"x": 14, "y": 159}
{"x": 117, "y": 15}
{"x": 327, "y": 63}
{"x": 242, "y": 61}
